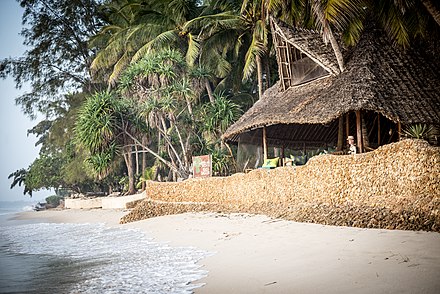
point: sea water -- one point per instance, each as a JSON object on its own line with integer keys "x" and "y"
{"x": 92, "y": 258}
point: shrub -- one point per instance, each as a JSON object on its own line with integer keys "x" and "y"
{"x": 54, "y": 200}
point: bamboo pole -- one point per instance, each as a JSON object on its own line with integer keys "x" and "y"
{"x": 359, "y": 130}
{"x": 264, "y": 143}
{"x": 340, "y": 134}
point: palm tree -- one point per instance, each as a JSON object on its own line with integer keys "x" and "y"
{"x": 226, "y": 30}
{"x": 401, "y": 20}
{"x": 203, "y": 75}
{"x": 106, "y": 127}
{"x": 113, "y": 41}
{"x": 255, "y": 18}
{"x": 136, "y": 27}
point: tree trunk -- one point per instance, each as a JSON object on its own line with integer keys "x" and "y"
{"x": 336, "y": 49}
{"x": 137, "y": 158}
{"x": 209, "y": 90}
{"x": 327, "y": 32}
{"x": 267, "y": 66}
{"x": 160, "y": 158}
{"x": 128, "y": 156}
{"x": 432, "y": 10}
{"x": 144, "y": 162}
{"x": 188, "y": 103}
{"x": 259, "y": 76}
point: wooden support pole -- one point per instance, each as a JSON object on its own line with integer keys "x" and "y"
{"x": 347, "y": 124}
{"x": 340, "y": 133}
{"x": 378, "y": 129}
{"x": 264, "y": 143}
{"x": 282, "y": 156}
{"x": 399, "y": 130}
{"x": 359, "y": 130}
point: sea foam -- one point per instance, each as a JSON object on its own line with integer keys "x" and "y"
{"x": 110, "y": 260}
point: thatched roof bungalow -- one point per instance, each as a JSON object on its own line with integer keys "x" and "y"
{"x": 381, "y": 88}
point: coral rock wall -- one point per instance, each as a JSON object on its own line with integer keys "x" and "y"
{"x": 396, "y": 186}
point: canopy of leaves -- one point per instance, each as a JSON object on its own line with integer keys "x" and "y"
{"x": 57, "y": 61}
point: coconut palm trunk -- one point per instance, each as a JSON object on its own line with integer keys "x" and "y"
{"x": 209, "y": 90}
{"x": 432, "y": 10}
{"x": 327, "y": 32}
{"x": 259, "y": 76}
{"x": 336, "y": 49}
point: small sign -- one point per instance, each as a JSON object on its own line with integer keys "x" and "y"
{"x": 202, "y": 166}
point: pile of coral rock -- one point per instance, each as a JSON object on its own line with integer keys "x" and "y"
{"x": 396, "y": 186}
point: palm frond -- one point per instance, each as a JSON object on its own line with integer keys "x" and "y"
{"x": 163, "y": 40}
{"x": 193, "y": 50}
{"x": 120, "y": 65}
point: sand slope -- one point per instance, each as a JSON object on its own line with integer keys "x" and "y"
{"x": 256, "y": 254}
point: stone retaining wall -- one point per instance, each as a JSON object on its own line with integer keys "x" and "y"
{"x": 396, "y": 186}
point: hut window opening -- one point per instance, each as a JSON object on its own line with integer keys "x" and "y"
{"x": 295, "y": 67}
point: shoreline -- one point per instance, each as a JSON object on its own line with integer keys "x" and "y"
{"x": 257, "y": 254}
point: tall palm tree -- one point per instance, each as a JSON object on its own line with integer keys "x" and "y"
{"x": 401, "y": 20}
{"x": 254, "y": 16}
{"x": 136, "y": 27}
{"x": 228, "y": 31}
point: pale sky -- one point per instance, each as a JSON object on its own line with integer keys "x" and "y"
{"x": 17, "y": 150}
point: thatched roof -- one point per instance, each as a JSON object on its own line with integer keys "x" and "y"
{"x": 310, "y": 43}
{"x": 402, "y": 86}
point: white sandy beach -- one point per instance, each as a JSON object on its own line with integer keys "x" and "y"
{"x": 256, "y": 254}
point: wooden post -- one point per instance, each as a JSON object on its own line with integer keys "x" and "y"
{"x": 264, "y": 143}
{"x": 359, "y": 130}
{"x": 340, "y": 133}
{"x": 399, "y": 130}
{"x": 378, "y": 129}
{"x": 282, "y": 156}
{"x": 347, "y": 124}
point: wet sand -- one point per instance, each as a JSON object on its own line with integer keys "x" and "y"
{"x": 256, "y": 254}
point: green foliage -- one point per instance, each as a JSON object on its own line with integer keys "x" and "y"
{"x": 218, "y": 116}
{"x": 123, "y": 182}
{"x": 57, "y": 58}
{"x": 160, "y": 56}
{"x": 421, "y": 131}
{"x": 19, "y": 178}
{"x": 97, "y": 129}
{"x": 222, "y": 162}
{"x": 147, "y": 175}
{"x": 54, "y": 200}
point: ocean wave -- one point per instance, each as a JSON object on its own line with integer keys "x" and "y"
{"x": 115, "y": 260}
